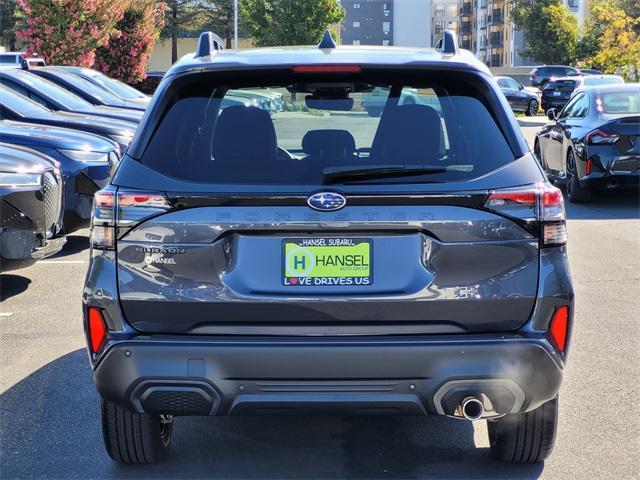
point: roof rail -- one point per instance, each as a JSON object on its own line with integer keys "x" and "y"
{"x": 327, "y": 40}
{"x": 208, "y": 43}
{"x": 448, "y": 43}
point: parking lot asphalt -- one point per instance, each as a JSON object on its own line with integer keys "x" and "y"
{"x": 49, "y": 410}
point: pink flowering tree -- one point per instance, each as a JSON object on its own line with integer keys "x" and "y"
{"x": 127, "y": 54}
{"x": 68, "y": 32}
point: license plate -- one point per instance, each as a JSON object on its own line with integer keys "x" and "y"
{"x": 557, "y": 94}
{"x": 327, "y": 261}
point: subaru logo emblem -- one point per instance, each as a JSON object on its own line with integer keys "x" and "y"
{"x": 326, "y": 201}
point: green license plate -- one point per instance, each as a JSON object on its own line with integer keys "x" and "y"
{"x": 327, "y": 261}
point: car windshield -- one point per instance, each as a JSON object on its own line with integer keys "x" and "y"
{"x": 115, "y": 86}
{"x": 620, "y": 102}
{"x": 51, "y": 91}
{"x": 20, "y": 104}
{"x": 226, "y": 133}
{"x": 88, "y": 87}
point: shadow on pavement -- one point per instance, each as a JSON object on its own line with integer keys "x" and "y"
{"x": 50, "y": 427}
{"x": 12, "y": 285}
{"x": 607, "y": 205}
{"x": 75, "y": 244}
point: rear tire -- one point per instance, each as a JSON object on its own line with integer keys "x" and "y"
{"x": 532, "y": 108}
{"x": 576, "y": 193}
{"x": 525, "y": 437}
{"x": 134, "y": 438}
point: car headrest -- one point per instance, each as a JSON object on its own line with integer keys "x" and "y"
{"x": 244, "y": 135}
{"x": 335, "y": 144}
{"x": 410, "y": 134}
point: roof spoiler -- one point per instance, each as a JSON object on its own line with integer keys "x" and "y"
{"x": 448, "y": 44}
{"x": 208, "y": 43}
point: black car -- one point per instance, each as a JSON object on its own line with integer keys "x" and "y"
{"x": 541, "y": 75}
{"x": 591, "y": 71}
{"x": 86, "y": 161}
{"x": 116, "y": 87}
{"x": 56, "y": 98}
{"x": 85, "y": 89}
{"x": 518, "y": 97}
{"x": 594, "y": 142}
{"x": 14, "y": 106}
{"x": 30, "y": 207}
{"x": 557, "y": 92}
{"x": 324, "y": 263}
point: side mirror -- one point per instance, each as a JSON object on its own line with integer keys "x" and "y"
{"x": 520, "y": 86}
{"x": 552, "y": 115}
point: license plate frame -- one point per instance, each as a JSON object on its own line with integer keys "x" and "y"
{"x": 327, "y": 261}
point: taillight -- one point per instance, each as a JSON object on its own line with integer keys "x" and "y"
{"x": 559, "y": 326}
{"x": 600, "y": 137}
{"x": 103, "y": 220}
{"x": 112, "y": 211}
{"x": 97, "y": 329}
{"x": 541, "y": 204}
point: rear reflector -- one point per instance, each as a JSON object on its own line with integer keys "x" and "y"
{"x": 97, "y": 330}
{"x": 327, "y": 69}
{"x": 558, "y": 327}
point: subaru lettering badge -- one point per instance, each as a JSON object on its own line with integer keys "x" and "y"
{"x": 326, "y": 201}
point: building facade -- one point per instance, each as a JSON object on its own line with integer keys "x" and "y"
{"x": 367, "y": 22}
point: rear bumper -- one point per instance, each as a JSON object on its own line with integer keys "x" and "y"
{"x": 415, "y": 376}
{"x": 611, "y": 181}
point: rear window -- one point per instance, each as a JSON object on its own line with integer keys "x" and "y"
{"x": 590, "y": 81}
{"x": 294, "y": 130}
{"x": 619, "y": 102}
{"x": 561, "y": 85}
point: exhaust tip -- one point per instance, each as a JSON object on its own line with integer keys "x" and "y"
{"x": 472, "y": 408}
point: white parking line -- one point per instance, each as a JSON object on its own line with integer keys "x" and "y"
{"x": 60, "y": 261}
{"x": 6, "y": 314}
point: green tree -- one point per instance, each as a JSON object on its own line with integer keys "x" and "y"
{"x": 550, "y": 30}
{"x": 289, "y": 22}
{"x": 185, "y": 17}
{"x": 8, "y": 23}
{"x": 611, "y": 40}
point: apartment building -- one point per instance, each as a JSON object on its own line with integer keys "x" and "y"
{"x": 445, "y": 14}
{"x": 387, "y": 22}
{"x": 367, "y": 22}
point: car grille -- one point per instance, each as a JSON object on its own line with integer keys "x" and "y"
{"x": 51, "y": 189}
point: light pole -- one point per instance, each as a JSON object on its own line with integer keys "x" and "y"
{"x": 235, "y": 24}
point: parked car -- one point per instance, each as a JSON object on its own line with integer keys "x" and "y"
{"x": 375, "y": 100}
{"x": 85, "y": 89}
{"x": 150, "y": 82}
{"x": 112, "y": 85}
{"x": 20, "y": 59}
{"x": 30, "y": 207}
{"x": 557, "y": 92}
{"x": 594, "y": 142}
{"x": 596, "y": 80}
{"x": 14, "y": 106}
{"x": 57, "y": 98}
{"x": 518, "y": 97}
{"x": 539, "y": 76}
{"x": 415, "y": 264}
{"x": 86, "y": 162}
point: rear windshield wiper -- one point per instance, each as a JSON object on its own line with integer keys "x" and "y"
{"x": 373, "y": 172}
